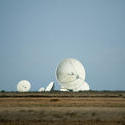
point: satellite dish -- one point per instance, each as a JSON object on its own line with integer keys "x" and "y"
{"x": 86, "y": 86}
{"x": 23, "y": 86}
{"x": 41, "y": 89}
{"x": 64, "y": 90}
{"x": 50, "y": 87}
{"x": 71, "y": 74}
{"x": 69, "y": 70}
{"x": 79, "y": 86}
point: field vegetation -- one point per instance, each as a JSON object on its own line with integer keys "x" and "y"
{"x": 62, "y": 108}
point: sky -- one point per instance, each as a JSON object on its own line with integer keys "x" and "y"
{"x": 35, "y": 35}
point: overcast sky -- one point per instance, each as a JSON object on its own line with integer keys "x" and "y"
{"x": 35, "y": 35}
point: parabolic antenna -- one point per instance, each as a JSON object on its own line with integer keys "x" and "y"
{"x": 50, "y": 87}
{"x": 41, "y": 89}
{"x": 77, "y": 85}
{"x": 64, "y": 90}
{"x": 23, "y": 86}
{"x": 86, "y": 86}
{"x": 71, "y": 74}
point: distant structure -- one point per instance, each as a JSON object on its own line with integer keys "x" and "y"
{"x": 71, "y": 75}
{"x": 86, "y": 86}
{"x": 64, "y": 90}
{"x": 23, "y": 86}
{"x": 41, "y": 89}
{"x": 50, "y": 87}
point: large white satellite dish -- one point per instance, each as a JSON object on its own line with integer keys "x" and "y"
{"x": 86, "y": 86}
{"x": 50, "y": 87}
{"x": 77, "y": 85}
{"x": 23, "y": 86}
{"x": 41, "y": 89}
{"x": 71, "y": 74}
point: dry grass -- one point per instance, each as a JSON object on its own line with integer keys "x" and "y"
{"x": 65, "y": 94}
{"x": 75, "y": 109}
{"x": 89, "y": 122}
{"x": 62, "y": 102}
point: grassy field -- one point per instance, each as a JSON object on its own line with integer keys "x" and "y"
{"x": 62, "y": 108}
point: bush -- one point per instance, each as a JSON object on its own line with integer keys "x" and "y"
{"x": 2, "y": 91}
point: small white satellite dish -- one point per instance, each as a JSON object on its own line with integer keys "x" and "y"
{"x": 64, "y": 90}
{"x": 71, "y": 74}
{"x": 23, "y": 86}
{"x": 50, "y": 87}
{"x": 41, "y": 89}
